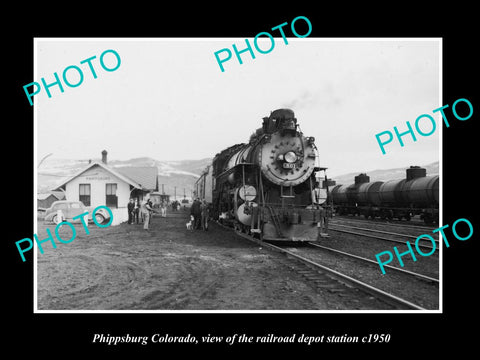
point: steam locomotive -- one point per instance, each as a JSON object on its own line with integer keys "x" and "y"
{"x": 417, "y": 194}
{"x": 266, "y": 187}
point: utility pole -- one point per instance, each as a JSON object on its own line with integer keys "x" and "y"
{"x": 175, "y": 192}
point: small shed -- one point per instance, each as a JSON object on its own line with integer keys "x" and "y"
{"x": 44, "y": 200}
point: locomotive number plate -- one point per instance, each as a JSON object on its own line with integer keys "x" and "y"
{"x": 289, "y": 165}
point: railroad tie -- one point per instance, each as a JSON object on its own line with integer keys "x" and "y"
{"x": 323, "y": 282}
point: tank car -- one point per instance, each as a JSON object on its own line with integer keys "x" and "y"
{"x": 417, "y": 194}
{"x": 266, "y": 187}
{"x": 358, "y": 198}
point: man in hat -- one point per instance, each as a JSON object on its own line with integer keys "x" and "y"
{"x": 321, "y": 212}
{"x": 145, "y": 209}
{"x": 204, "y": 215}
{"x": 130, "y": 207}
{"x": 196, "y": 212}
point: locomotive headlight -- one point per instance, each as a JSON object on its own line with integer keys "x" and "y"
{"x": 290, "y": 157}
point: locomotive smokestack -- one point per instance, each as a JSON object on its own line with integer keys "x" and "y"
{"x": 104, "y": 156}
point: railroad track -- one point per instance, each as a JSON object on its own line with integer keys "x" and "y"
{"x": 379, "y": 234}
{"x": 393, "y": 300}
{"x": 389, "y": 267}
{"x": 413, "y": 287}
{"x": 395, "y": 223}
{"x": 408, "y": 230}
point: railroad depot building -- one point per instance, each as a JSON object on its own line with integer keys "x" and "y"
{"x": 99, "y": 184}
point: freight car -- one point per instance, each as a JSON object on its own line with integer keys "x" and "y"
{"x": 204, "y": 185}
{"x": 417, "y": 194}
{"x": 266, "y": 187}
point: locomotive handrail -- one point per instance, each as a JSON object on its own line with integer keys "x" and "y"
{"x": 232, "y": 169}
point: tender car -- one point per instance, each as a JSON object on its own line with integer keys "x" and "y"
{"x": 70, "y": 209}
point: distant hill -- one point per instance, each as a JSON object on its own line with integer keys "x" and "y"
{"x": 181, "y": 174}
{"x": 385, "y": 174}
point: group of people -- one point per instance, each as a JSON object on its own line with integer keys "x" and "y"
{"x": 133, "y": 208}
{"x": 175, "y": 205}
{"x": 140, "y": 212}
{"x": 143, "y": 211}
{"x": 201, "y": 214}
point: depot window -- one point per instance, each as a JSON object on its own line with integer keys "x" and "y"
{"x": 84, "y": 194}
{"x": 111, "y": 195}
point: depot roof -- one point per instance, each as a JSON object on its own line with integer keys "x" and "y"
{"x": 143, "y": 178}
{"x": 146, "y": 176}
{"x": 57, "y": 194}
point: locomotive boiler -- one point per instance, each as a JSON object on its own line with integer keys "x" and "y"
{"x": 266, "y": 187}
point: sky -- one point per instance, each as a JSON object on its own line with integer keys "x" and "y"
{"x": 169, "y": 100}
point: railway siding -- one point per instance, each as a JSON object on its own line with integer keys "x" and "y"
{"x": 422, "y": 254}
{"x": 368, "y": 247}
{"x": 418, "y": 291}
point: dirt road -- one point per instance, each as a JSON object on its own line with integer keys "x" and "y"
{"x": 170, "y": 268}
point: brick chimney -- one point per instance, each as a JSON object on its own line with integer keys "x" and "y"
{"x": 104, "y": 156}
